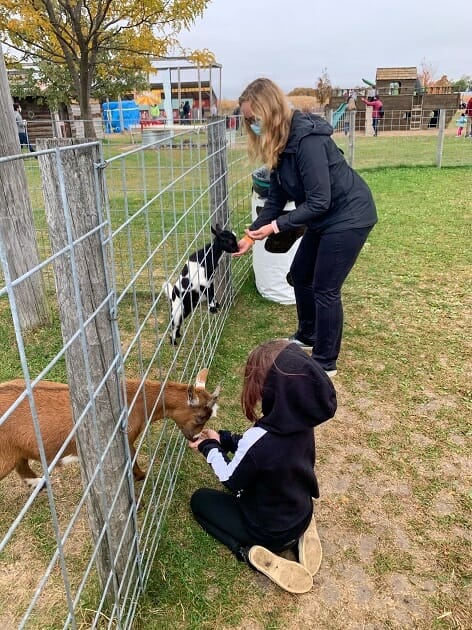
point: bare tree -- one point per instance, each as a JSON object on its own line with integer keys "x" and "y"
{"x": 323, "y": 87}
{"x": 427, "y": 73}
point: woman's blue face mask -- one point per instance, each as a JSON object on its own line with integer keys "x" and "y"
{"x": 256, "y": 127}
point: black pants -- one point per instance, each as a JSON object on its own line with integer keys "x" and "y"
{"x": 219, "y": 515}
{"x": 23, "y": 138}
{"x": 319, "y": 269}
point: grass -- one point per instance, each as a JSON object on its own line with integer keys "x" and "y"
{"x": 392, "y": 465}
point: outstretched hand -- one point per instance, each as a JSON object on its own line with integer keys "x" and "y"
{"x": 261, "y": 233}
{"x": 244, "y": 245}
{"x": 206, "y": 434}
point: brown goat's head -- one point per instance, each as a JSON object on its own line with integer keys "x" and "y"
{"x": 201, "y": 406}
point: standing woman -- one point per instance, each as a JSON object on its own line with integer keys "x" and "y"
{"x": 331, "y": 200}
{"x": 377, "y": 108}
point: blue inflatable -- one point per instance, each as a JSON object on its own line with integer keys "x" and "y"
{"x": 113, "y": 119}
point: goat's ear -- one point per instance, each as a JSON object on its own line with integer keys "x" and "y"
{"x": 214, "y": 396}
{"x": 201, "y": 378}
{"x": 192, "y": 397}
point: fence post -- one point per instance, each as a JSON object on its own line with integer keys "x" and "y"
{"x": 17, "y": 231}
{"x": 219, "y": 206}
{"x": 72, "y": 195}
{"x": 351, "y": 136}
{"x": 440, "y": 145}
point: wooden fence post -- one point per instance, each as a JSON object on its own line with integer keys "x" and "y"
{"x": 219, "y": 206}
{"x": 17, "y": 231}
{"x": 72, "y": 192}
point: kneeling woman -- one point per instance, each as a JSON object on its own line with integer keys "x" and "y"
{"x": 270, "y": 478}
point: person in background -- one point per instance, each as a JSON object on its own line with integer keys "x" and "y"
{"x": 186, "y": 112}
{"x": 155, "y": 112}
{"x": 332, "y": 202}
{"x": 377, "y": 106}
{"x": 468, "y": 113}
{"x": 237, "y": 115}
{"x": 461, "y": 123}
{"x": 21, "y": 126}
{"x": 270, "y": 483}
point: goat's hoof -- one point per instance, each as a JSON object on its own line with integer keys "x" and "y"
{"x": 34, "y": 482}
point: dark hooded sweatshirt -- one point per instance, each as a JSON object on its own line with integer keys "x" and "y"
{"x": 272, "y": 471}
{"x": 329, "y": 195}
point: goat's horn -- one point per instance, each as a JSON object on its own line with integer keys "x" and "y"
{"x": 200, "y": 381}
{"x": 216, "y": 393}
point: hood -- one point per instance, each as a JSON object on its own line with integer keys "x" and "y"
{"x": 303, "y": 125}
{"x": 297, "y": 393}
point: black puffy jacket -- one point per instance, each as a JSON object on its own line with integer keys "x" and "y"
{"x": 329, "y": 195}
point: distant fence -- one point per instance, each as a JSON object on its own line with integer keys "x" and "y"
{"x": 108, "y": 233}
{"x": 405, "y": 138}
{"x": 429, "y": 140}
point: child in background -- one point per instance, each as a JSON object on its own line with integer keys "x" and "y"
{"x": 270, "y": 478}
{"x": 461, "y": 122}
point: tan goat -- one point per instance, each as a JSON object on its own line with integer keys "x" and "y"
{"x": 189, "y": 406}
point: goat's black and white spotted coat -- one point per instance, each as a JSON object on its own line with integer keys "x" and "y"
{"x": 196, "y": 279}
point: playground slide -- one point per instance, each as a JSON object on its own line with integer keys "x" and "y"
{"x": 338, "y": 114}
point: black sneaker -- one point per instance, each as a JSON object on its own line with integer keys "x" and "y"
{"x": 302, "y": 342}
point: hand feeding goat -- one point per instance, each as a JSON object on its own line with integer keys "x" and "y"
{"x": 189, "y": 406}
{"x": 196, "y": 279}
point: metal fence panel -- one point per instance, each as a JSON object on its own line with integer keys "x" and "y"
{"x": 155, "y": 205}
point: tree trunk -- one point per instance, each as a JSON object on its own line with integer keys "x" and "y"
{"x": 84, "y": 99}
{"x": 17, "y": 232}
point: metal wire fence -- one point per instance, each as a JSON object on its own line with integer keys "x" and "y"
{"x": 430, "y": 139}
{"x": 77, "y": 547}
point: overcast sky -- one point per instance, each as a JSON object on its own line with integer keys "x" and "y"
{"x": 292, "y": 41}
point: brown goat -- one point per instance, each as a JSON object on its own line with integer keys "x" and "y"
{"x": 189, "y": 406}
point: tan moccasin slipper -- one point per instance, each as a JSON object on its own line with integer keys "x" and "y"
{"x": 289, "y": 575}
{"x": 309, "y": 548}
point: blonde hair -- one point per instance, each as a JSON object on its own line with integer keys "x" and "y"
{"x": 269, "y": 105}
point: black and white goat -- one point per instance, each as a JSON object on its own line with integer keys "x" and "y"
{"x": 196, "y": 279}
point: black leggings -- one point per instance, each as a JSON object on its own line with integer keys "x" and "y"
{"x": 219, "y": 514}
{"x": 319, "y": 269}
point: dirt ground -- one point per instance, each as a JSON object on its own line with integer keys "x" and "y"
{"x": 391, "y": 559}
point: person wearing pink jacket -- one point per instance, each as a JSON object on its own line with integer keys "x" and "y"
{"x": 377, "y": 107}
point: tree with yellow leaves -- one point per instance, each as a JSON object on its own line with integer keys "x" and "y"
{"x": 91, "y": 39}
